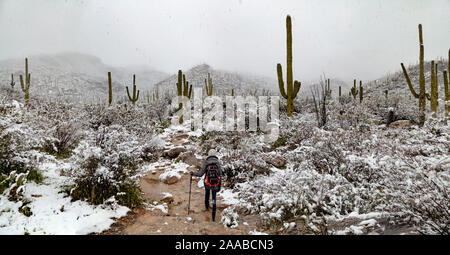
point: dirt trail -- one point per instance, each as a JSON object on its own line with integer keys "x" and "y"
{"x": 176, "y": 220}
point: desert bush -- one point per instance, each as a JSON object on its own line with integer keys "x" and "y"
{"x": 62, "y": 140}
{"x": 106, "y": 165}
{"x": 14, "y": 169}
{"x": 426, "y": 203}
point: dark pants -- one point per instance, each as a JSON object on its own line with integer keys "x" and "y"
{"x": 214, "y": 193}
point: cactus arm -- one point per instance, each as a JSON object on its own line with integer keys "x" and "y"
{"x": 137, "y": 97}
{"x": 280, "y": 81}
{"x": 190, "y": 91}
{"x": 297, "y": 86}
{"x": 408, "y": 81}
{"x": 109, "y": 88}
{"x": 128, "y": 93}
{"x": 21, "y": 83}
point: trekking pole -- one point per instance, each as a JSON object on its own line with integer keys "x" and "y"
{"x": 189, "y": 201}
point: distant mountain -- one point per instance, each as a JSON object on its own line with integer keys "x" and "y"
{"x": 223, "y": 81}
{"x": 77, "y": 76}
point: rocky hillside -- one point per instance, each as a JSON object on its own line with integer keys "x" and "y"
{"x": 396, "y": 82}
{"x": 223, "y": 81}
{"x": 75, "y": 76}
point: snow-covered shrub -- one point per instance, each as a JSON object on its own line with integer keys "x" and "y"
{"x": 159, "y": 110}
{"x": 106, "y": 165}
{"x": 350, "y": 115}
{"x": 432, "y": 209}
{"x": 137, "y": 119}
{"x": 15, "y": 170}
{"x": 229, "y": 218}
{"x": 426, "y": 203}
{"x": 307, "y": 195}
{"x": 64, "y": 137}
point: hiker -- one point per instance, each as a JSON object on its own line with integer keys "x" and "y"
{"x": 213, "y": 178}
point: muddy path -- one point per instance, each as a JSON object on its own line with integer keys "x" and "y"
{"x": 165, "y": 209}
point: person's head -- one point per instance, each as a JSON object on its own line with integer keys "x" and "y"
{"x": 212, "y": 152}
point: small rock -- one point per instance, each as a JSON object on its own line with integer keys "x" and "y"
{"x": 266, "y": 149}
{"x": 406, "y": 124}
{"x": 189, "y": 158}
{"x": 276, "y": 161}
{"x": 364, "y": 128}
{"x": 173, "y": 153}
{"x": 171, "y": 179}
{"x": 167, "y": 200}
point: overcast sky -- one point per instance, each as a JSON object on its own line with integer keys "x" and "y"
{"x": 362, "y": 39}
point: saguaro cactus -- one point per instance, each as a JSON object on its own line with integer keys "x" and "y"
{"x": 26, "y": 87}
{"x": 340, "y": 94}
{"x": 446, "y": 82}
{"x": 360, "y": 92}
{"x": 135, "y": 96}
{"x": 328, "y": 88}
{"x": 354, "y": 92}
{"x": 447, "y": 95}
{"x": 293, "y": 87}
{"x": 110, "y": 89}
{"x": 187, "y": 89}
{"x": 422, "y": 96}
{"x": 209, "y": 86}
{"x": 13, "y": 83}
{"x": 183, "y": 89}
{"x": 434, "y": 89}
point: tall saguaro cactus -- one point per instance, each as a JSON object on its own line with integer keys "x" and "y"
{"x": 26, "y": 87}
{"x": 354, "y": 92}
{"x": 422, "y": 96}
{"x": 360, "y": 92}
{"x": 434, "y": 89}
{"x": 183, "y": 89}
{"x": 13, "y": 83}
{"x": 293, "y": 87}
{"x": 447, "y": 95}
{"x": 135, "y": 96}
{"x": 328, "y": 88}
{"x": 446, "y": 82}
{"x": 187, "y": 89}
{"x": 110, "y": 89}
{"x": 209, "y": 86}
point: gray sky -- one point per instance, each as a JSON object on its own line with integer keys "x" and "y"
{"x": 362, "y": 39}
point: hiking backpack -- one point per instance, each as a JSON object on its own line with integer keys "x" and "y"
{"x": 212, "y": 179}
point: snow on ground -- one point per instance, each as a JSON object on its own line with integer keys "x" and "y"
{"x": 228, "y": 197}
{"x": 155, "y": 206}
{"x": 53, "y": 211}
{"x": 254, "y": 232}
{"x": 173, "y": 171}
